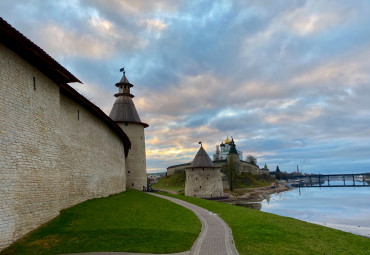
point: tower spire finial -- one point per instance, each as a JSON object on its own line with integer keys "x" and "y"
{"x": 122, "y": 70}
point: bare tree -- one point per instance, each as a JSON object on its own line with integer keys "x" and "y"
{"x": 252, "y": 160}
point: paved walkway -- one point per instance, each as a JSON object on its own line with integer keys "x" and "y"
{"x": 214, "y": 239}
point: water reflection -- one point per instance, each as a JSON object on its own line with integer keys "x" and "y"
{"x": 346, "y": 208}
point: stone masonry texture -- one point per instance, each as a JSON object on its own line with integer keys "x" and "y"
{"x": 54, "y": 153}
{"x": 136, "y": 159}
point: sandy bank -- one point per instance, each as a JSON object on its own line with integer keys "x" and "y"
{"x": 254, "y": 194}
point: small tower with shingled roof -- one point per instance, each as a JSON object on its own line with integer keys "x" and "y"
{"x": 203, "y": 179}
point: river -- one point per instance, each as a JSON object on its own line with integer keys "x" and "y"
{"x": 343, "y": 208}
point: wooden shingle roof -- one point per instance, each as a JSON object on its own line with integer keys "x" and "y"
{"x": 202, "y": 159}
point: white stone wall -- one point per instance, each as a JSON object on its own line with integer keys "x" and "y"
{"x": 203, "y": 182}
{"x": 249, "y": 168}
{"x": 54, "y": 153}
{"x": 171, "y": 171}
{"x": 136, "y": 159}
{"x": 177, "y": 169}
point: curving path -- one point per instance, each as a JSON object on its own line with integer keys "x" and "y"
{"x": 214, "y": 239}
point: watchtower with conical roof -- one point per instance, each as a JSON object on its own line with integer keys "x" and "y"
{"x": 125, "y": 115}
{"x": 203, "y": 179}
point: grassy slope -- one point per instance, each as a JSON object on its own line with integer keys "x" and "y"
{"x": 175, "y": 182}
{"x": 247, "y": 180}
{"x": 258, "y": 232}
{"x": 130, "y": 221}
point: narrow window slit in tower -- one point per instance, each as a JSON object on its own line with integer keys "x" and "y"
{"x": 78, "y": 114}
{"x": 34, "y": 83}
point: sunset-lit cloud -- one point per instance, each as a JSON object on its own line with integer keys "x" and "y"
{"x": 288, "y": 80}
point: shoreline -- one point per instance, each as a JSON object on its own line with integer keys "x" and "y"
{"x": 252, "y": 198}
{"x": 255, "y": 195}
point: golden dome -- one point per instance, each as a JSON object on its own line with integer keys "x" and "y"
{"x": 227, "y": 141}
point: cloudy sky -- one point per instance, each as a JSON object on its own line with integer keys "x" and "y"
{"x": 289, "y": 80}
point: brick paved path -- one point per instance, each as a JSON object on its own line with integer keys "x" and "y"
{"x": 214, "y": 239}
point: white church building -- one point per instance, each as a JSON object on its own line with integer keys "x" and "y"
{"x": 223, "y": 149}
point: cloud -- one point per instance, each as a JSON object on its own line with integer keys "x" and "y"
{"x": 154, "y": 24}
{"x": 288, "y": 80}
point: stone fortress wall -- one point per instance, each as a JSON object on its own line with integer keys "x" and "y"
{"x": 54, "y": 150}
{"x": 245, "y": 167}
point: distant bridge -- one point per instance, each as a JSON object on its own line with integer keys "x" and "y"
{"x": 331, "y": 180}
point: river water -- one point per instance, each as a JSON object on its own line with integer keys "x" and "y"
{"x": 343, "y": 208}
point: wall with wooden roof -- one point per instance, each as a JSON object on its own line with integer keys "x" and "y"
{"x": 55, "y": 151}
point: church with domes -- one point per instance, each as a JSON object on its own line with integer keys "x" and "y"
{"x": 223, "y": 150}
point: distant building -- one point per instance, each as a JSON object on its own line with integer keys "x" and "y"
{"x": 223, "y": 149}
{"x": 220, "y": 160}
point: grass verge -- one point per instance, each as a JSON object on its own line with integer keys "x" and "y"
{"x": 174, "y": 182}
{"x": 131, "y": 221}
{"x": 257, "y": 232}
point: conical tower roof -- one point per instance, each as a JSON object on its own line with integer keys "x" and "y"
{"x": 123, "y": 108}
{"x": 232, "y": 147}
{"x": 202, "y": 159}
{"x": 124, "y": 79}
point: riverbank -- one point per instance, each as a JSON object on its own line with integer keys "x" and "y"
{"x": 252, "y": 197}
{"x": 246, "y": 194}
{"x": 256, "y": 232}
{"x": 247, "y": 197}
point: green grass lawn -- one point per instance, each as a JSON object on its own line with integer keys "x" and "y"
{"x": 131, "y": 221}
{"x": 258, "y": 232}
{"x": 174, "y": 182}
{"x": 137, "y": 222}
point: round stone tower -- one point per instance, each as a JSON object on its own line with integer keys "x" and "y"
{"x": 125, "y": 115}
{"x": 202, "y": 178}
